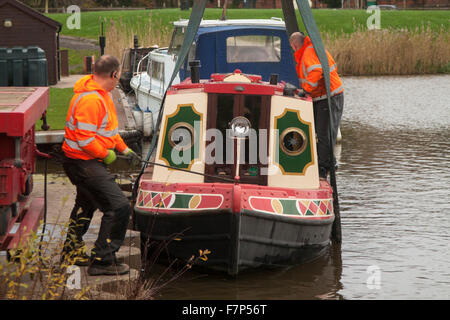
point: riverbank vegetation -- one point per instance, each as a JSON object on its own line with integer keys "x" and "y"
{"x": 390, "y": 51}
{"x": 328, "y": 20}
{"x": 409, "y": 41}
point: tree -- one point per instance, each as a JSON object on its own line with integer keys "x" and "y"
{"x": 333, "y": 3}
{"x": 32, "y": 3}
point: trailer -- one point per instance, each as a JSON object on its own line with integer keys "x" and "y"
{"x": 20, "y": 213}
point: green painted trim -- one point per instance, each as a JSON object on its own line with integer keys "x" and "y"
{"x": 294, "y": 164}
{"x": 187, "y": 114}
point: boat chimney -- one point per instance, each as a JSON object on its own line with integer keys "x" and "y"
{"x": 195, "y": 75}
{"x": 274, "y": 79}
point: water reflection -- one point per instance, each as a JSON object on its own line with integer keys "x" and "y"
{"x": 320, "y": 279}
{"x": 394, "y": 185}
{"x": 393, "y": 181}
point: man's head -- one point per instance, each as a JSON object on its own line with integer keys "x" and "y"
{"x": 107, "y": 72}
{"x": 296, "y": 40}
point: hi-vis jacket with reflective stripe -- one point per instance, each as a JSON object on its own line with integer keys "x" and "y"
{"x": 309, "y": 71}
{"x": 91, "y": 124}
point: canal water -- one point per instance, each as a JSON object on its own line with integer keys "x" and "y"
{"x": 394, "y": 191}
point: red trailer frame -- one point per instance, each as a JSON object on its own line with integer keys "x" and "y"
{"x": 20, "y": 109}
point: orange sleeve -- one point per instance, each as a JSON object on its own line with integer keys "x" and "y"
{"x": 96, "y": 150}
{"x": 120, "y": 144}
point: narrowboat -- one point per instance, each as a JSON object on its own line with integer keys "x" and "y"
{"x": 235, "y": 174}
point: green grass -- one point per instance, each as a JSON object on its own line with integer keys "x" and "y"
{"x": 57, "y": 109}
{"x": 327, "y": 20}
{"x": 76, "y": 59}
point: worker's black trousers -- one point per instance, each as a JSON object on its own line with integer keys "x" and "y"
{"x": 322, "y": 124}
{"x": 96, "y": 189}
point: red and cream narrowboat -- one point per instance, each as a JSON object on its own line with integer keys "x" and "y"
{"x": 236, "y": 173}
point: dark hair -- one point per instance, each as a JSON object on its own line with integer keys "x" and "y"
{"x": 106, "y": 65}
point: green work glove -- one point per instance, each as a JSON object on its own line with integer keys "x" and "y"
{"x": 110, "y": 158}
{"x": 133, "y": 158}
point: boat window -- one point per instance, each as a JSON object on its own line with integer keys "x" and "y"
{"x": 177, "y": 40}
{"x": 256, "y": 48}
{"x": 157, "y": 70}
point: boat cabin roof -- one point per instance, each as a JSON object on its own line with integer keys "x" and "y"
{"x": 269, "y": 23}
{"x": 255, "y": 46}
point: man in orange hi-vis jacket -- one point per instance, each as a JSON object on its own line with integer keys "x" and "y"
{"x": 310, "y": 73}
{"x": 91, "y": 135}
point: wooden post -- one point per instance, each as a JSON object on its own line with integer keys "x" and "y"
{"x": 64, "y": 63}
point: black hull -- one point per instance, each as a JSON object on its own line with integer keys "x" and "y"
{"x": 237, "y": 241}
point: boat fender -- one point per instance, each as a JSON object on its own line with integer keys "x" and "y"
{"x": 147, "y": 123}
{"x": 138, "y": 117}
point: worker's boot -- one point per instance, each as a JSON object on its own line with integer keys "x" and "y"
{"x": 97, "y": 268}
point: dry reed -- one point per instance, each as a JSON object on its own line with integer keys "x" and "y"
{"x": 120, "y": 35}
{"x": 390, "y": 52}
{"x": 362, "y": 52}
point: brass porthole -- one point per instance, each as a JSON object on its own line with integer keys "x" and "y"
{"x": 181, "y": 136}
{"x": 293, "y": 141}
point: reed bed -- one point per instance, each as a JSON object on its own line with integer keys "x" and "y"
{"x": 120, "y": 34}
{"x": 390, "y": 51}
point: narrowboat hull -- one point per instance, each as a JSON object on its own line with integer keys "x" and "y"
{"x": 238, "y": 238}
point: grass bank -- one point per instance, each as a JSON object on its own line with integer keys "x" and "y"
{"x": 76, "y": 59}
{"x": 409, "y": 42}
{"x": 57, "y": 109}
{"x": 328, "y": 20}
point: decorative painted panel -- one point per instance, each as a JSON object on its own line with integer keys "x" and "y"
{"x": 178, "y": 201}
{"x": 181, "y": 137}
{"x": 298, "y": 207}
{"x": 295, "y": 152}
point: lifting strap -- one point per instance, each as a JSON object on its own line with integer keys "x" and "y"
{"x": 194, "y": 22}
{"x": 313, "y": 33}
{"x": 289, "y": 17}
